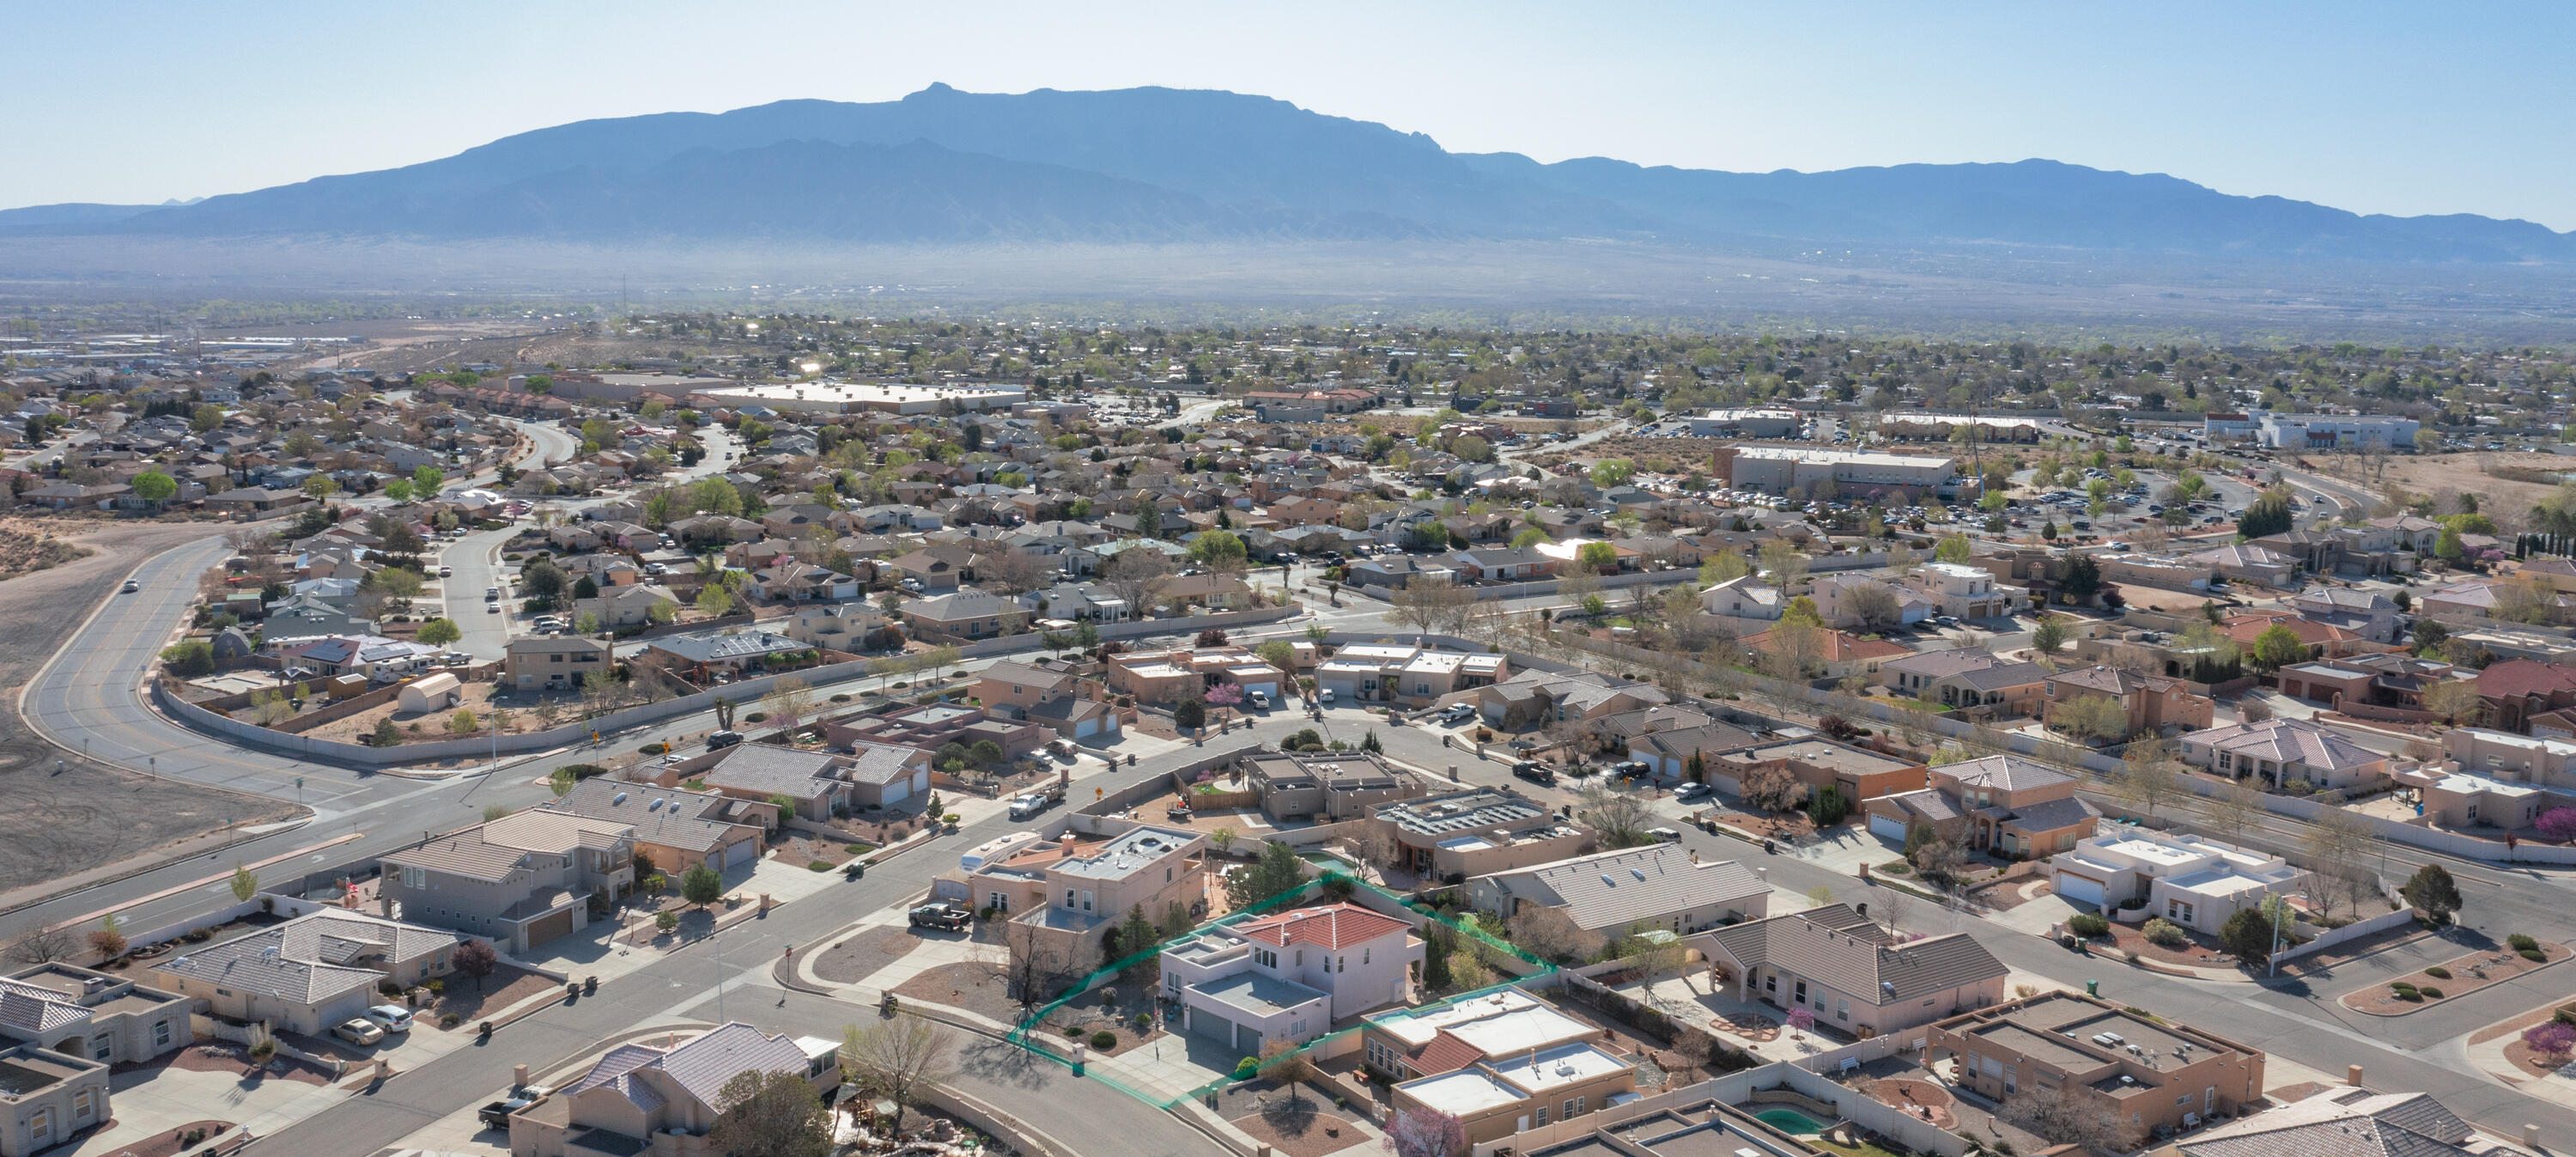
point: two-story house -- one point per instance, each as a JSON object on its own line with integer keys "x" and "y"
{"x": 2151, "y": 703}
{"x": 519, "y": 881}
{"x": 963, "y": 616}
{"x": 1345, "y": 785}
{"x": 1290, "y": 974}
{"x": 2004, "y": 803}
{"x": 1063, "y": 896}
{"x": 531, "y": 662}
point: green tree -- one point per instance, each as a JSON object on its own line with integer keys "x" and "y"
{"x": 1953, "y": 548}
{"x": 426, "y": 480}
{"x": 154, "y": 487}
{"x": 770, "y": 1114}
{"x": 2432, "y": 892}
{"x": 245, "y": 885}
{"x": 320, "y": 486}
{"x": 2449, "y": 546}
{"x": 562, "y": 781}
{"x": 701, "y": 885}
{"x": 1149, "y": 519}
{"x": 439, "y": 632}
{"x": 2247, "y": 936}
{"x": 1601, "y": 557}
{"x": 189, "y": 658}
{"x": 1189, "y": 713}
{"x": 1610, "y": 472}
{"x": 1528, "y": 537}
{"x": 2050, "y": 635}
{"x": 1279, "y": 870}
{"x": 1218, "y": 549}
{"x": 2277, "y": 647}
{"x": 398, "y": 490}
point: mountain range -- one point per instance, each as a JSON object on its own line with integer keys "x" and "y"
{"x": 1157, "y": 166}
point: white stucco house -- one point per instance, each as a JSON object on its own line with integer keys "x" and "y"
{"x": 2195, "y": 882}
{"x": 1290, "y": 974}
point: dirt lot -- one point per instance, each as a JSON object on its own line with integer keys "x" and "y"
{"x": 88, "y": 814}
{"x": 854, "y": 959}
{"x": 28, "y": 545}
{"x": 2461, "y": 472}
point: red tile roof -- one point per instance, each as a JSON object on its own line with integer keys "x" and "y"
{"x": 2517, "y": 677}
{"x": 1444, "y": 1054}
{"x": 1332, "y": 926}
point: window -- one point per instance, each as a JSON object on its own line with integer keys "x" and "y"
{"x": 1297, "y": 1028}
{"x": 1068, "y": 897}
{"x": 1800, "y": 997}
{"x": 1364, "y": 955}
{"x": 161, "y": 1035}
{"x": 1842, "y": 1009}
{"x": 102, "y": 1048}
{"x": 1575, "y": 1106}
{"x": 1542, "y": 1114}
{"x": 2184, "y": 1099}
{"x": 1086, "y": 899}
{"x": 81, "y": 1105}
{"x": 1301, "y": 958}
{"x": 1771, "y": 983}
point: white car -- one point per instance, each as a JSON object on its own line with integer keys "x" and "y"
{"x": 390, "y": 1017}
{"x": 1260, "y": 700}
{"x": 1324, "y": 696}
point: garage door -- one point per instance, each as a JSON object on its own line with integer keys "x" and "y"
{"x": 1212, "y": 1026}
{"x": 1888, "y": 826}
{"x": 2084, "y": 888}
{"x": 1247, "y": 1040}
{"x": 549, "y": 926}
{"x": 1085, "y": 729}
{"x": 894, "y": 792}
{"x": 740, "y": 853}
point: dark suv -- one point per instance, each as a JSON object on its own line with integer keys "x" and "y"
{"x": 1534, "y": 771}
{"x": 943, "y": 914}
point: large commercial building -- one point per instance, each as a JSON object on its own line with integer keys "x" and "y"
{"x": 2334, "y": 431}
{"x": 1780, "y": 469}
{"x": 1761, "y": 423}
{"x": 855, "y": 397}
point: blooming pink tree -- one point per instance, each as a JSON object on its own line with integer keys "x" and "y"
{"x": 2558, "y": 823}
{"x": 1426, "y": 1132}
{"x": 1801, "y": 1019}
{"x": 1225, "y": 695}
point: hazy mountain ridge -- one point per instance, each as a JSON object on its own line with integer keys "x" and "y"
{"x": 1155, "y": 165}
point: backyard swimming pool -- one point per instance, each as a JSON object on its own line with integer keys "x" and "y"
{"x": 1790, "y": 1121}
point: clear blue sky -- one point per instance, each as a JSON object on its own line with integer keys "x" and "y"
{"x": 2394, "y": 108}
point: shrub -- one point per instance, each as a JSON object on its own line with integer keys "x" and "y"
{"x": 2165, "y": 933}
{"x": 655, "y": 749}
{"x": 449, "y": 1020}
{"x": 818, "y": 865}
{"x": 1073, "y": 1030}
{"x": 2552, "y": 1041}
{"x": 2088, "y": 925}
{"x": 1104, "y": 1039}
{"x": 2522, "y": 942}
{"x": 840, "y": 699}
{"x": 2406, "y": 992}
{"x": 2430, "y": 993}
{"x": 854, "y": 849}
{"x": 2438, "y": 972}
{"x": 435, "y": 986}
{"x": 2534, "y": 955}
{"x": 756, "y": 717}
{"x": 1243, "y": 1069}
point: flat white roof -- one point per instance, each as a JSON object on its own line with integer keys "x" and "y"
{"x": 1519, "y": 1030}
{"x": 1418, "y": 1026}
{"x": 1852, "y": 457}
{"x": 1558, "y": 1067}
{"x": 2153, "y": 850}
{"x": 1463, "y": 1093}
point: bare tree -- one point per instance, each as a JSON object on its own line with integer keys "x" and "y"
{"x": 1010, "y": 572}
{"x": 2148, "y": 775}
{"x": 1621, "y": 817}
{"x": 44, "y": 945}
{"x": 1431, "y": 605}
{"x": 2334, "y": 845}
{"x": 1136, "y": 575}
{"x": 1893, "y": 904}
{"x": 1033, "y": 972}
{"x": 2062, "y": 1117}
{"x": 1874, "y": 603}
{"x": 1551, "y": 933}
{"x": 2233, "y": 811}
{"x": 897, "y": 1057}
{"x": 1772, "y": 788}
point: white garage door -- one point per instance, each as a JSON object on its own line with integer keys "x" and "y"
{"x": 1888, "y": 826}
{"x": 2074, "y": 887}
{"x": 1086, "y": 729}
{"x": 895, "y": 792}
{"x": 740, "y": 853}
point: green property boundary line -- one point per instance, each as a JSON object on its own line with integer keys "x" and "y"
{"x": 1471, "y": 931}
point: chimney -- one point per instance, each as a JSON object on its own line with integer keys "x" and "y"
{"x": 2352, "y": 1075}
{"x": 518, "y": 1076}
